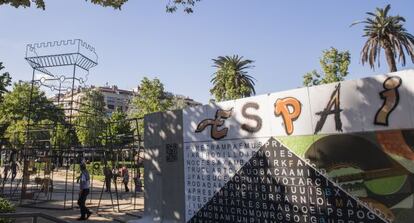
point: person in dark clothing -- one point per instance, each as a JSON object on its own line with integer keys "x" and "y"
{"x": 6, "y": 172}
{"x": 84, "y": 181}
{"x": 13, "y": 170}
{"x": 108, "y": 177}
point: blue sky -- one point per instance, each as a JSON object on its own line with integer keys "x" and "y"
{"x": 284, "y": 38}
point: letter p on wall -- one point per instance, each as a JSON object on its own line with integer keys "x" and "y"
{"x": 289, "y": 108}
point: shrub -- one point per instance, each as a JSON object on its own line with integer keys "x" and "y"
{"x": 6, "y": 207}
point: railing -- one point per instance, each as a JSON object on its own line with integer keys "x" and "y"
{"x": 33, "y": 215}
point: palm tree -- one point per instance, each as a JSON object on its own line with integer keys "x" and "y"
{"x": 386, "y": 32}
{"x": 231, "y": 80}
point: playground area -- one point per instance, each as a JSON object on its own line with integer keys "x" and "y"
{"x": 50, "y": 187}
{"x": 111, "y": 206}
{"x": 40, "y": 162}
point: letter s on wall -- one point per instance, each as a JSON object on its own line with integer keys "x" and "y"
{"x": 247, "y": 127}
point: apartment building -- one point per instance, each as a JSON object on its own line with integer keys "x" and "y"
{"x": 114, "y": 98}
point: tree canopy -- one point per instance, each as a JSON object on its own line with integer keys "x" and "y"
{"x": 38, "y": 135}
{"x": 16, "y": 133}
{"x": 91, "y": 118}
{"x": 334, "y": 66}
{"x": 187, "y": 5}
{"x": 171, "y": 6}
{"x": 386, "y": 32}
{"x": 5, "y": 81}
{"x": 151, "y": 98}
{"x": 42, "y": 5}
{"x": 120, "y": 128}
{"x": 59, "y": 136}
{"x": 17, "y": 110}
{"x": 231, "y": 80}
{"x": 16, "y": 105}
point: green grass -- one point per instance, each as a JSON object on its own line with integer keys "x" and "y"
{"x": 98, "y": 173}
{"x": 299, "y": 144}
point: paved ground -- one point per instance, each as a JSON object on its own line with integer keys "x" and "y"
{"x": 72, "y": 215}
{"x": 130, "y": 204}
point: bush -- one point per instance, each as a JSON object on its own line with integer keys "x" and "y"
{"x": 6, "y": 207}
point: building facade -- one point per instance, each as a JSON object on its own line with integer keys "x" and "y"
{"x": 114, "y": 99}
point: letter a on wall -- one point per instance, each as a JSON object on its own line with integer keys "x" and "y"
{"x": 333, "y": 107}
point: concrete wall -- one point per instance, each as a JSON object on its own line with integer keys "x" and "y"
{"x": 342, "y": 133}
{"x": 163, "y": 164}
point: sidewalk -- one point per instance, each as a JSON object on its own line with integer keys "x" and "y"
{"x": 72, "y": 215}
{"x": 108, "y": 202}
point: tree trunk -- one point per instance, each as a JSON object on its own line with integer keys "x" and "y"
{"x": 390, "y": 58}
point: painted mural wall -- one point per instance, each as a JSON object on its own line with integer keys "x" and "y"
{"x": 341, "y": 152}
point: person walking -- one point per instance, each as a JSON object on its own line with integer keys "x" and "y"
{"x": 84, "y": 181}
{"x": 125, "y": 177}
{"x": 108, "y": 177}
{"x": 6, "y": 172}
{"x": 14, "y": 168}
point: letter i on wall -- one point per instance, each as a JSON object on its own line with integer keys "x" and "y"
{"x": 391, "y": 98}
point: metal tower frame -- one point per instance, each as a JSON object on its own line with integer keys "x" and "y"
{"x": 73, "y": 56}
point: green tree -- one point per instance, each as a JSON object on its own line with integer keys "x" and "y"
{"x": 386, "y": 32}
{"x": 18, "y": 102}
{"x": 151, "y": 98}
{"x": 120, "y": 128}
{"x": 231, "y": 80}
{"x": 38, "y": 135}
{"x": 90, "y": 121}
{"x": 16, "y": 133}
{"x": 172, "y": 6}
{"x": 59, "y": 136}
{"x": 5, "y": 81}
{"x": 187, "y": 5}
{"x": 41, "y": 3}
{"x": 334, "y": 66}
{"x": 21, "y": 106}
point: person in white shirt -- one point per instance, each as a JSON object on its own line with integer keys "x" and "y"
{"x": 84, "y": 181}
